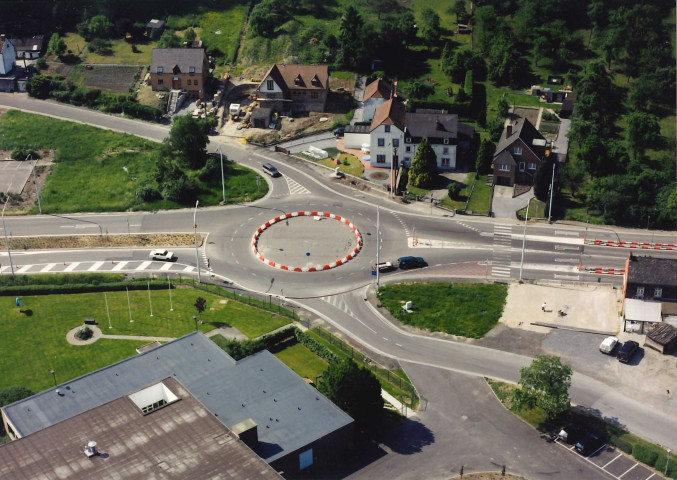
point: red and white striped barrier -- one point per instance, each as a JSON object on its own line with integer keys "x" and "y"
{"x": 316, "y": 268}
{"x": 605, "y": 270}
{"x": 637, "y": 245}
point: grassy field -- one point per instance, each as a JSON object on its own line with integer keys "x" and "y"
{"x": 88, "y": 158}
{"x": 350, "y": 164}
{"x": 117, "y": 78}
{"x": 468, "y": 310}
{"x": 304, "y": 362}
{"x": 533, "y": 416}
{"x": 122, "y": 53}
{"x": 38, "y": 336}
{"x": 459, "y": 202}
{"x": 536, "y": 209}
{"x": 479, "y": 200}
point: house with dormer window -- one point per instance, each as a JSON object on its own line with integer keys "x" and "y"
{"x": 519, "y": 152}
{"x": 294, "y": 88}
{"x": 180, "y": 69}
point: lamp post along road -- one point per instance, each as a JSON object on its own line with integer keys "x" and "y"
{"x": 223, "y": 182}
{"x": 197, "y": 258}
{"x": 35, "y": 182}
{"x": 524, "y": 237}
{"x": 378, "y": 246}
{"x": 4, "y": 229}
{"x": 552, "y": 191}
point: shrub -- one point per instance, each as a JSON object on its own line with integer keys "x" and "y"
{"x": 22, "y": 153}
{"x": 468, "y": 85}
{"x": 148, "y": 193}
{"x": 454, "y": 190}
{"x": 644, "y": 454}
{"x": 210, "y": 169}
{"x": 41, "y": 63}
{"x": 624, "y": 445}
{"x": 316, "y": 347}
{"x": 84, "y": 333}
{"x": 143, "y": 112}
{"x": 101, "y": 46}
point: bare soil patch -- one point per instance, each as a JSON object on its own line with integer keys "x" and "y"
{"x": 104, "y": 241}
{"x": 293, "y": 127}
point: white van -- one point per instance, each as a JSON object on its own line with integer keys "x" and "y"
{"x": 608, "y": 345}
{"x": 270, "y": 170}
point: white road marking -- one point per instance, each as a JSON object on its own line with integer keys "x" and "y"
{"x": 567, "y": 277}
{"x": 71, "y": 267}
{"x": 546, "y": 238}
{"x": 619, "y": 455}
{"x": 24, "y": 269}
{"x": 165, "y": 267}
{"x": 120, "y": 266}
{"x": 95, "y": 266}
{"x": 189, "y": 269}
{"x": 566, "y": 260}
{"x": 629, "y": 469}
{"x": 143, "y": 265}
{"x": 399, "y": 345}
{"x": 565, "y": 232}
{"x": 384, "y": 338}
{"x": 48, "y": 267}
{"x": 563, "y": 247}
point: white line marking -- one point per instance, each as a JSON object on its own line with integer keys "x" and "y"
{"x": 384, "y": 338}
{"x": 647, "y": 478}
{"x": 95, "y": 266}
{"x": 567, "y": 277}
{"x": 399, "y": 345}
{"x": 599, "y": 449}
{"x": 143, "y": 265}
{"x": 619, "y": 455}
{"x": 71, "y": 267}
{"x": 563, "y": 247}
{"x": 23, "y": 269}
{"x": 48, "y": 267}
{"x": 566, "y": 260}
{"x": 120, "y": 266}
{"x": 189, "y": 269}
{"x": 629, "y": 469}
{"x": 565, "y": 232}
{"x": 165, "y": 267}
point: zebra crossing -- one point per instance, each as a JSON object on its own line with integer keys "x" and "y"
{"x": 296, "y": 188}
{"x": 100, "y": 266}
{"x": 337, "y": 301}
{"x": 500, "y": 264}
{"x": 463, "y": 224}
{"x": 404, "y": 225}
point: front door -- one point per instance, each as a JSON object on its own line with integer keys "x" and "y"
{"x": 176, "y": 83}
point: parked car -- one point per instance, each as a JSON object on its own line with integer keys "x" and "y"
{"x": 627, "y": 351}
{"x": 339, "y": 131}
{"x": 410, "y": 262}
{"x": 271, "y": 170}
{"x": 386, "y": 267}
{"x": 589, "y": 444}
{"x": 571, "y": 434}
{"x": 608, "y": 345}
{"x": 160, "y": 254}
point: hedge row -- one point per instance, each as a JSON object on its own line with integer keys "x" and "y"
{"x": 655, "y": 457}
{"x": 61, "y": 279}
{"x": 316, "y": 347}
{"x": 241, "y": 349}
{"x": 11, "y": 290}
{"x": 468, "y": 85}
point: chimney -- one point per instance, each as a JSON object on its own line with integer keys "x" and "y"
{"x": 508, "y": 130}
{"x": 90, "y": 449}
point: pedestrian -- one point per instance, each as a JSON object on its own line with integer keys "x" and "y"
{"x": 543, "y": 307}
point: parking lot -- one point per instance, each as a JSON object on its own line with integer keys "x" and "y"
{"x": 614, "y": 462}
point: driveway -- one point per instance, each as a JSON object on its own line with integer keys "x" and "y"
{"x": 561, "y": 145}
{"x": 504, "y": 205}
{"x": 320, "y": 140}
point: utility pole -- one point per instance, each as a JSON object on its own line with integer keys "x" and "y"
{"x": 4, "y": 229}
{"x": 35, "y": 180}
{"x": 378, "y": 246}
{"x": 223, "y": 182}
{"x": 524, "y": 237}
{"x": 197, "y": 258}
{"x": 552, "y": 191}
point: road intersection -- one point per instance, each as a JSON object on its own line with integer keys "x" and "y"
{"x": 483, "y": 247}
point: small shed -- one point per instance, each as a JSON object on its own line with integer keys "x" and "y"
{"x": 261, "y": 117}
{"x": 662, "y": 338}
{"x": 354, "y": 136}
{"x": 640, "y": 316}
{"x": 155, "y": 27}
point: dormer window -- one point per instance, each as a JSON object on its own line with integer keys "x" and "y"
{"x": 446, "y": 141}
{"x": 160, "y": 70}
{"x": 298, "y": 80}
{"x": 191, "y": 70}
{"x": 316, "y": 80}
{"x": 407, "y": 140}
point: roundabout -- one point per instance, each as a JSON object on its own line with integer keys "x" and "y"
{"x": 306, "y": 241}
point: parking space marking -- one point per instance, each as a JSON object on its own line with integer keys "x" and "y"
{"x": 619, "y": 455}
{"x": 619, "y": 459}
{"x": 629, "y": 469}
{"x": 654, "y": 473}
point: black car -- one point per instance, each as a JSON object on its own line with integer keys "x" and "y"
{"x": 410, "y": 262}
{"x": 339, "y": 131}
{"x": 627, "y": 351}
{"x": 589, "y": 444}
{"x": 571, "y": 434}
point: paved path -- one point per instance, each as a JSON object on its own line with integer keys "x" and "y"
{"x": 504, "y": 205}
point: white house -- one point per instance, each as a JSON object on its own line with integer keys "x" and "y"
{"x": 386, "y": 134}
{"x": 7, "y": 55}
{"x": 375, "y": 94}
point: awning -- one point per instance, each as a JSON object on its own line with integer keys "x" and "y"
{"x": 642, "y": 311}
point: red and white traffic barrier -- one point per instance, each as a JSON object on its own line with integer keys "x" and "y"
{"x": 638, "y": 245}
{"x": 350, "y": 256}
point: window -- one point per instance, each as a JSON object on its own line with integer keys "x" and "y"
{"x": 270, "y": 85}
{"x": 160, "y": 81}
{"x": 191, "y": 70}
{"x": 640, "y": 292}
{"x": 381, "y": 142}
{"x": 380, "y": 159}
{"x": 504, "y": 168}
{"x": 445, "y": 150}
{"x": 446, "y": 141}
{"x": 532, "y": 166}
{"x": 445, "y": 162}
{"x": 658, "y": 292}
{"x": 387, "y": 128}
{"x": 517, "y": 151}
{"x": 407, "y": 149}
{"x": 154, "y": 406}
{"x": 396, "y": 142}
{"x": 313, "y": 94}
{"x": 407, "y": 140}
{"x": 407, "y": 159}
{"x": 160, "y": 70}
{"x": 521, "y": 166}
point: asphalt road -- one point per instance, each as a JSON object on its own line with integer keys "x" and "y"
{"x": 550, "y": 253}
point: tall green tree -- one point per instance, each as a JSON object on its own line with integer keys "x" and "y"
{"x": 189, "y": 35}
{"x": 56, "y": 45}
{"x": 485, "y": 155}
{"x": 572, "y": 175}
{"x": 460, "y": 10}
{"x": 642, "y": 132}
{"x": 100, "y": 27}
{"x": 423, "y": 169}
{"x": 353, "y": 389}
{"x": 543, "y": 180}
{"x": 545, "y": 383}
{"x": 188, "y": 141}
{"x": 169, "y": 39}
{"x": 351, "y": 40}
{"x": 430, "y": 26}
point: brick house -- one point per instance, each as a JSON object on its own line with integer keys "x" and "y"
{"x": 180, "y": 69}
{"x": 519, "y": 152}
{"x": 294, "y": 88}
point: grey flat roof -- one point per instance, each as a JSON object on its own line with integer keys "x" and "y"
{"x": 259, "y": 387}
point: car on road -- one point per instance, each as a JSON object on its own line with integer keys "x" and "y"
{"x": 271, "y": 170}
{"x": 386, "y": 267}
{"x": 571, "y": 434}
{"x": 339, "y": 131}
{"x": 608, "y": 345}
{"x": 410, "y": 262}
{"x": 589, "y": 444}
{"x": 627, "y": 351}
{"x": 161, "y": 254}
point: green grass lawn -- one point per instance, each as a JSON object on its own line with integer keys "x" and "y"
{"x": 304, "y": 362}
{"x": 38, "y": 336}
{"x": 468, "y": 310}
{"x": 74, "y": 42}
{"x": 533, "y": 416}
{"x": 228, "y": 23}
{"x": 459, "y": 202}
{"x": 536, "y": 209}
{"x": 350, "y": 164}
{"x": 122, "y": 54}
{"x": 88, "y": 175}
{"x": 479, "y": 200}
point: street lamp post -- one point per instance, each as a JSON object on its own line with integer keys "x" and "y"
{"x": 53, "y": 376}
{"x": 378, "y": 246}
{"x": 524, "y": 237}
{"x": 195, "y": 320}
{"x": 4, "y": 229}
{"x": 35, "y": 182}
{"x": 552, "y": 191}
{"x": 667, "y": 462}
{"x": 223, "y": 182}
{"x": 197, "y": 258}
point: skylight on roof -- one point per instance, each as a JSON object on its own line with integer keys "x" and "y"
{"x": 152, "y": 398}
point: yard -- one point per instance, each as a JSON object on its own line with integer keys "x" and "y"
{"x": 38, "y": 335}
{"x": 122, "y": 53}
{"x": 349, "y": 164}
{"x": 117, "y": 78}
{"x": 468, "y": 310}
{"x": 304, "y": 362}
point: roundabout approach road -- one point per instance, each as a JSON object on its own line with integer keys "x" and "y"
{"x": 490, "y": 249}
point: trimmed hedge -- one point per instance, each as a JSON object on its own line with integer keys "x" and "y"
{"x": 11, "y": 290}
{"x": 644, "y": 454}
{"x": 316, "y": 347}
{"x": 241, "y": 349}
{"x": 468, "y": 85}
{"x": 624, "y": 445}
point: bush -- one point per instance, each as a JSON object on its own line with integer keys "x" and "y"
{"x": 454, "y": 190}
{"x": 143, "y": 112}
{"x": 644, "y": 454}
{"x": 41, "y": 63}
{"x": 22, "y": 153}
{"x": 624, "y": 445}
{"x": 241, "y": 349}
{"x": 316, "y": 347}
{"x": 468, "y": 85}
{"x": 149, "y": 193}
{"x": 210, "y": 169}
{"x": 84, "y": 333}
{"x": 101, "y": 46}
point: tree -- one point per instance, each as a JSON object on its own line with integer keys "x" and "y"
{"x": 200, "y": 306}
{"x": 169, "y": 39}
{"x": 13, "y": 394}
{"x": 353, "y": 389}
{"x": 56, "y": 45}
{"x": 643, "y": 131}
{"x": 430, "y": 26}
{"x": 503, "y": 107}
{"x": 351, "y": 40}
{"x": 188, "y": 140}
{"x": 539, "y": 51}
{"x": 495, "y": 128}
{"x": 189, "y": 35}
{"x": 424, "y": 166}
{"x": 460, "y": 11}
{"x": 485, "y": 155}
{"x": 99, "y": 27}
{"x": 545, "y": 383}
{"x": 39, "y": 86}
{"x": 572, "y": 175}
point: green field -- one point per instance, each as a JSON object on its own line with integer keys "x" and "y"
{"x": 304, "y": 362}
{"x": 122, "y": 53}
{"x": 88, "y": 175}
{"x": 35, "y": 340}
{"x": 468, "y": 310}
{"x": 536, "y": 209}
{"x": 350, "y": 164}
{"x": 479, "y": 199}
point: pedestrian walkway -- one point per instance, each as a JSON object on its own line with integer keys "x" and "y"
{"x": 99, "y": 266}
{"x": 501, "y": 255}
{"x": 296, "y": 188}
